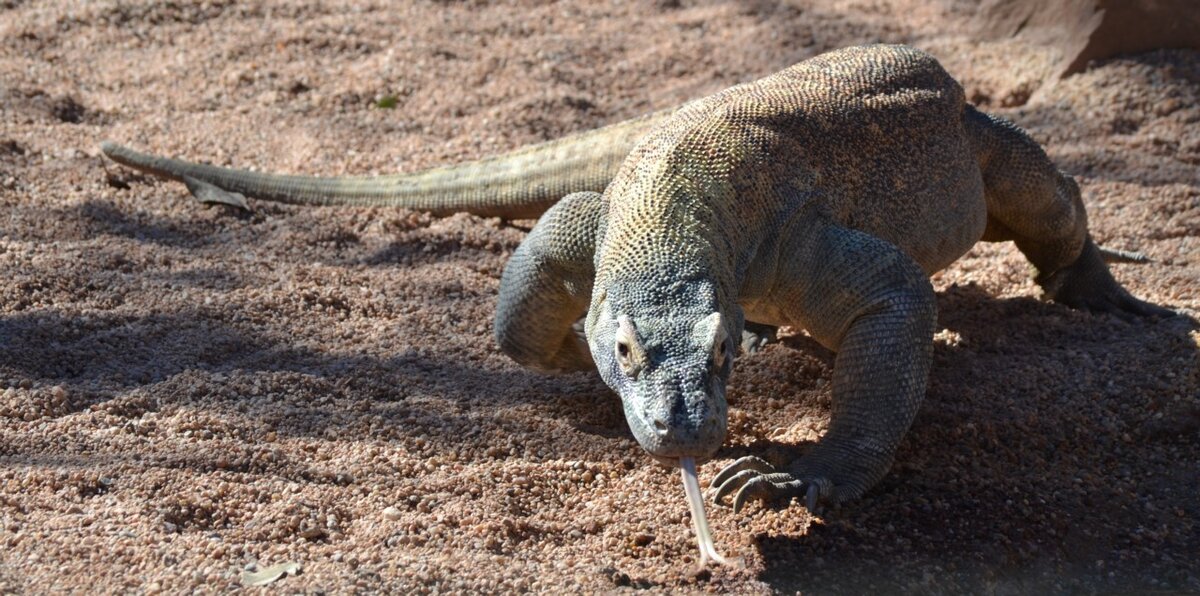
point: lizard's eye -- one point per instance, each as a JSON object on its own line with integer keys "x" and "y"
{"x": 624, "y": 360}
{"x": 628, "y": 350}
{"x": 623, "y": 357}
{"x": 712, "y": 330}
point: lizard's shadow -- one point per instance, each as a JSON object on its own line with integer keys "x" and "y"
{"x": 132, "y": 359}
{"x": 310, "y": 236}
{"x": 133, "y": 364}
{"x": 1032, "y": 444}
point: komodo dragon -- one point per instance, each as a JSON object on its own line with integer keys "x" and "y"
{"x": 821, "y": 197}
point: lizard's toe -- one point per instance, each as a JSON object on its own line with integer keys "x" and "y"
{"x": 768, "y": 487}
{"x": 754, "y": 478}
{"x": 756, "y": 336}
{"x": 1114, "y": 300}
{"x": 1128, "y": 305}
{"x": 749, "y": 463}
{"x": 1088, "y": 285}
{"x": 733, "y": 483}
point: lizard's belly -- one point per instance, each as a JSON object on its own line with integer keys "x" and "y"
{"x": 765, "y": 312}
{"x": 935, "y": 223}
{"x": 938, "y": 241}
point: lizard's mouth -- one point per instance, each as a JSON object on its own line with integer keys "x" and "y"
{"x": 673, "y": 461}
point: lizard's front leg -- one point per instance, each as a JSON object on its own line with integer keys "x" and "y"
{"x": 757, "y": 335}
{"x": 546, "y": 287}
{"x": 868, "y": 301}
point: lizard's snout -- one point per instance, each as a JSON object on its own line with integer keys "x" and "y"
{"x": 683, "y": 426}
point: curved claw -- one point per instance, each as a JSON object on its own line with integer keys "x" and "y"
{"x": 738, "y": 480}
{"x": 749, "y": 462}
{"x": 754, "y": 478}
{"x": 766, "y": 487}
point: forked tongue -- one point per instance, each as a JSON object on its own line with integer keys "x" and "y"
{"x": 691, "y": 485}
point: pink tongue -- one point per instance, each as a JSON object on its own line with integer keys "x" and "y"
{"x": 687, "y": 466}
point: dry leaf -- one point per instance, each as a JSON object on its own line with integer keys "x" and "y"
{"x": 263, "y": 577}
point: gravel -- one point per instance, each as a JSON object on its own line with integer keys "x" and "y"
{"x": 188, "y": 392}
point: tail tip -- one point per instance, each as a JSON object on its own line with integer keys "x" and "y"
{"x": 1114, "y": 255}
{"x": 109, "y": 147}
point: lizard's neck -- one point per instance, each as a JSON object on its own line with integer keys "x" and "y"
{"x": 689, "y": 203}
{"x": 670, "y": 237}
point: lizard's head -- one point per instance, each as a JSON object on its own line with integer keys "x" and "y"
{"x": 670, "y": 368}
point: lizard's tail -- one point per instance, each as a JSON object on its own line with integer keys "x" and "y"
{"x": 1116, "y": 255}
{"x": 517, "y": 185}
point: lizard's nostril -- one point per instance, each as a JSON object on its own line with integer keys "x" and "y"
{"x": 660, "y": 427}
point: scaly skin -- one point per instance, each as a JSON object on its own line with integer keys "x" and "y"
{"x": 820, "y": 197}
{"x": 518, "y": 185}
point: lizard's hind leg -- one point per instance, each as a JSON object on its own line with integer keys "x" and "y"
{"x": 547, "y": 285}
{"x": 1039, "y": 208}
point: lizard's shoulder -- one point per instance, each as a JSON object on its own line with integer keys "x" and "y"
{"x": 870, "y": 71}
{"x": 834, "y": 93}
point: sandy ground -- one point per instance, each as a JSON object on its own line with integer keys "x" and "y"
{"x": 186, "y": 392}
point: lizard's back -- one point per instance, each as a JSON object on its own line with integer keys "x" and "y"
{"x": 873, "y": 133}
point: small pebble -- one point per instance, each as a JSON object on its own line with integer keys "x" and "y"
{"x": 313, "y": 533}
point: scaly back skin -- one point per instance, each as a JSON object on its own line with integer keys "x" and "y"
{"x": 872, "y": 135}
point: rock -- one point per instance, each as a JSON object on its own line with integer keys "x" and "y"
{"x": 1089, "y": 30}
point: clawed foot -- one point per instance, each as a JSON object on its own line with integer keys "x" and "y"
{"x": 756, "y": 335}
{"x": 1088, "y": 285}
{"x": 1118, "y": 302}
{"x": 754, "y": 478}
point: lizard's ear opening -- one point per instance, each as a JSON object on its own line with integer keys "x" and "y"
{"x": 628, "y": 349}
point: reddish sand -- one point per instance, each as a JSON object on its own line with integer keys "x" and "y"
{"x": 187, "y": 392}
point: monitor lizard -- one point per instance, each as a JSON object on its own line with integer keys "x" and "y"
{"x": 821, "y": 197}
